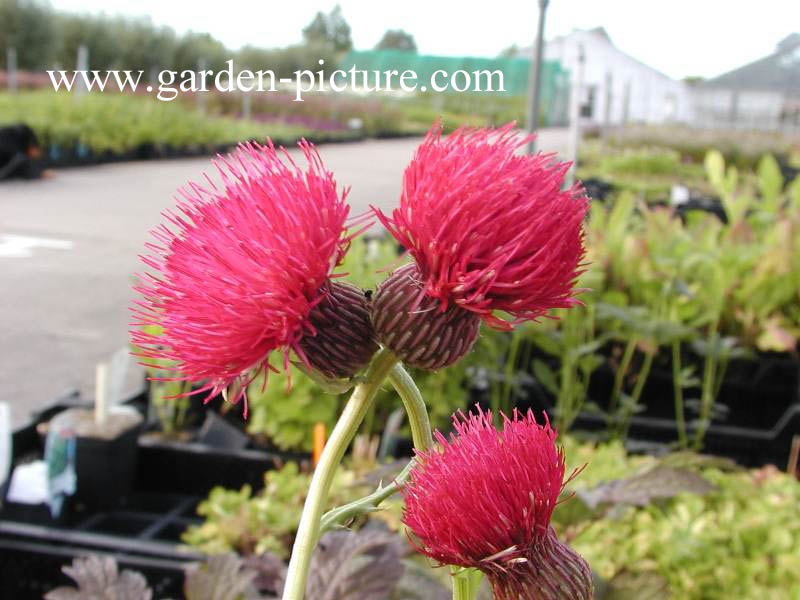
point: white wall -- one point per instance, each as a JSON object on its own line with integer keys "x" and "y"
{"x": 651, "y": 97}
{"x": 746, "y": 109}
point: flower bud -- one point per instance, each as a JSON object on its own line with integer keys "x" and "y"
{"x": 413, "y": 325}
{"x": 342, "y": 342}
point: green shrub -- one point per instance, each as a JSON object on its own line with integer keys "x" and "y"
{"x": 739, "y": 541}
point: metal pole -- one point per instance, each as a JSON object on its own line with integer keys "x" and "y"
{"x": 607, "y": 118}
{"x": 82, "y": 64}
{"x": 626, "y": 103}
{"x": 11, "y": 68}
{"x": 576, "y": 98}
{"x": 534, "y": 85}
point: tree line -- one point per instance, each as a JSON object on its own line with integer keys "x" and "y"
{"x": 47, "y": 39}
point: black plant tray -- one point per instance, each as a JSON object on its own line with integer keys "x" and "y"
{"x": 755, "y": 394}
{"x": 143, "y": 535}
{"x": 756, "y": 414}
{"x": 142, "y": 532}
{"x": 748, "y": 447}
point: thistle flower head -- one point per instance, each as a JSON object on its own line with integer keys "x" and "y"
{"x": 242, "y": 268}
{"x": 490, "y": 229}
{"x": 484, "y": 499}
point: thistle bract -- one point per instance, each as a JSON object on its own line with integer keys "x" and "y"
{"x": 343, "y": 341}
{"x": 411, "y": 324}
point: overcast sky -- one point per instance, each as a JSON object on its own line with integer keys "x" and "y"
{"x": 678, "y": 37}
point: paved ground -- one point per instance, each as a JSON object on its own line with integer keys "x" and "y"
{"x": 69, "y": 245}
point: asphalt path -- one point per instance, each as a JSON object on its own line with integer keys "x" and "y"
{"x": 69, "y": 245}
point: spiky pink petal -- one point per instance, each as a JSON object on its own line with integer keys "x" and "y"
{"x": 242, "y": 266}
{"x": 491, "y": 229}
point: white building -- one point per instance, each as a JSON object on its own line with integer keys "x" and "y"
{"x": 617, "y": 88}
{"x": 764, "y": 94}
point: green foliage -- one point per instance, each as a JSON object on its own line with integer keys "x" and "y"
{"x": 739, "y": 539}
{"x": 28, "y": 27}
{"x": 368, "y": 260}
{"x": 287, "y": 415}
{"x": 248, "y": 523}
{"x": 648, "y": 172}
{"x": 770, "y": 180}
{"x": 121, "y": 122}
{"x": 168, "y": 399}
{"x": 44, "y": 38}
{"x": 743, "y": 149}
{"x": 642, "y": 162}
{"x": 695, "y": 294}
{"x": 456, "y": 110}
{"x": 330, "y": 29}
{"x": 252, "y": 524}
{"x": 397, "y": 39}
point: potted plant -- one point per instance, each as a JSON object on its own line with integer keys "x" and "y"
{"x": 105, "y": 446}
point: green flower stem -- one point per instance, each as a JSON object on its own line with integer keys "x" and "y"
{"x": 341, "y": 436}
{"x": 707, "y": 396}
{"x": 420, "y": 433}
{"x": 677, "y": 385}
{"x": 466, "y": 583}
{"x": 367, "y": 504}
{"x": 619, "y": 380}
{"x": 415, "y": 407}
{"x": 641, "y": 379}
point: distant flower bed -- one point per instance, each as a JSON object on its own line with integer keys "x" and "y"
{"x": 119, "y": 124}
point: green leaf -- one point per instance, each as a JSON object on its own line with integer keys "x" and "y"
{"x": 770, "y": 179}
{"x": 545, "y": 376}
{"x": 548, "y": 341}
{"x": 642, "y": 489}
{"x": 715, "y": 170}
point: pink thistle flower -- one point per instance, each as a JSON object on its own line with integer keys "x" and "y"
{"x": 490, "y": 230}
{"x": 484, "y": 499}
{"x": 244, "y": 269}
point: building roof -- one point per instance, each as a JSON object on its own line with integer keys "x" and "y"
{"x": 600, "y": 34}
{"x": 779, "y": 71}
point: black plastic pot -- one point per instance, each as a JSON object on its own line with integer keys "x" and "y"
{"x": 106, "y": 469}
{"x": 141, "y": 531}
{"x": 755, "y": 393}
{"x": 194, "y": 469}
